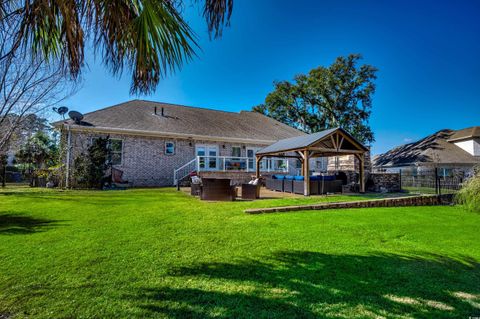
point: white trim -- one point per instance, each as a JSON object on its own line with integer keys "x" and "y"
{"x": 255, "y": 150}
{"x": 207, "y": 146}
{"x": 121, "y": 153}
{"x": 110, "y": 139}
{"x": 99, "y": 129}
{"x": 236, "y": 146}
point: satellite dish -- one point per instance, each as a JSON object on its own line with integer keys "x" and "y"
{"x": 76, "y": 116}
{"x": 62, "y": 110}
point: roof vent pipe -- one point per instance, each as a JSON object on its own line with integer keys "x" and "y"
{"x": 155, "y": 110}
{"x": 162, "y": 112}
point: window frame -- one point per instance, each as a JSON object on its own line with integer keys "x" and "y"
{"x": 240, "y": 151}
{"x": 166, "y": 147}
{"x": 110, "y": 150}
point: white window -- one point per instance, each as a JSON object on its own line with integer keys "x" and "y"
{"x": 115, "y": 148}
{"x": 116, "y": 151}
{"x": 169, "y": 148}
{"x": 236, "y": 151}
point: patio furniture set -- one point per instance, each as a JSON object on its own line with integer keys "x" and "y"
{"x": 220, "y": 189}
{"x": 295, "y": 184}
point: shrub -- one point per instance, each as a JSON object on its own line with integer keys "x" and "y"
{"x": 90, "y": 168}
{"x": 469, "y": 195}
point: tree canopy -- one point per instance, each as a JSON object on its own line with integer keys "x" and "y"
{"x": 39, "y": 151}
{"x": 339, "y": 95}
{"x": 149, "y": 37}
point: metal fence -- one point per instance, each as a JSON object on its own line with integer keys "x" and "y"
{"x": 432, "y": 181}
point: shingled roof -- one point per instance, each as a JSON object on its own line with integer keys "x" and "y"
{"x": 304, "y": 141}
{"x": 434, "y": 148}
{"x": 466, "y": 133}
{"x": 138, "y": 117}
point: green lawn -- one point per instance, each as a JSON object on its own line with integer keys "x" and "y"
{"x": 161, "y": 253}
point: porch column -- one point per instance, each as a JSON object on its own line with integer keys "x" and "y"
{"x": 257, "y": 165}
{"x": 361, "y": 160}
{"x": 306, "y": 173}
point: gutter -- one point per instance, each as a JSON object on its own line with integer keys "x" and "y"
{"x": 67, "y": 173}
{"x": 100, "y": 129}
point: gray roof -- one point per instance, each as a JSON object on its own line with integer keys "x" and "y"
{"x": 432, "y": 149}
{"x": 466, "y": 133}
{"x": 138, "y": 116}
{"x": 299, "y": 142}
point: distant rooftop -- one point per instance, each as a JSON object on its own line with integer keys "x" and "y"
{"x": 466, "y": 133}
{"x": 436, "y": 148}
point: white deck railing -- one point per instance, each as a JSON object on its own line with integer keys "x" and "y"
{"x": 240, "y": 164}
{"x": 229, "y": 164}
{"x": 184, "y": 170}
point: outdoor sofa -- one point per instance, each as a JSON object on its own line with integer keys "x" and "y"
{"x": 295, "y": 184}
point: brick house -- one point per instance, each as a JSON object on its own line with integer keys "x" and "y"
{"x": 159, "y": 144}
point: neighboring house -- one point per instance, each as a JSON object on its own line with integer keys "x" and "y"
{"x": 452, "y": 152}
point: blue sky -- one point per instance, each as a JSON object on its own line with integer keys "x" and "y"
{"x": 427, "y": 53}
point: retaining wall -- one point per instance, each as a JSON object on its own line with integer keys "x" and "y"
{"x": 427, "y": 200}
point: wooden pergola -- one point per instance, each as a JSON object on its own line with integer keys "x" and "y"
{"x": 332, "y": 142}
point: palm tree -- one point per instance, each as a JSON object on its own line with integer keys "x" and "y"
{"x": 148, "y": 37}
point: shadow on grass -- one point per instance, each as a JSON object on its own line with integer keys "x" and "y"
{"x": 13, "y": 224}
{"x": 308, "y": 284}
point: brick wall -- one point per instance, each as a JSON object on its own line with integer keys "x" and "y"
{"x": 425, "y": 200}
{"x": 144, "y": 161}
{"x": 349, "y": 163}
{"x": 389, "y": 182}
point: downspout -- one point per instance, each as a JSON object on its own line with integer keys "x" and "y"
{"x": 67, "y": 173}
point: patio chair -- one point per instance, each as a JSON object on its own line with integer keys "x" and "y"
{"x": 251, "y": 191}
{"x": 195, "y": 185}
{"x": 116, "y": 179}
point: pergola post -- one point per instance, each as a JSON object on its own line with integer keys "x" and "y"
{"x": 361, "y": 159}
{"x": 306, "y": 173}
{"x": 257, "y": 165}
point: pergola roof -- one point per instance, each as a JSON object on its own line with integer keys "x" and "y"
{"x": 332, "y": 142}
{"x": 328, "y": 142}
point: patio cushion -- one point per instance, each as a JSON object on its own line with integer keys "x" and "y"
{"x": 278, "y": 176}
{"x": 298, "y": 178}
{"x": 289, "y": 177}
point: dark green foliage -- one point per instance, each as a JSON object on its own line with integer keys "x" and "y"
{"x": 39, "y": 151}
{"x": 89, "y": 169}
{"x": 3, "y": 169}
{"x": 336, "y": 96}
{"x": 469, "y": 194}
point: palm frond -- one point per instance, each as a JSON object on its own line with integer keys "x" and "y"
{"x": 149, "y": 37}
{"x": 217, "y": 14}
